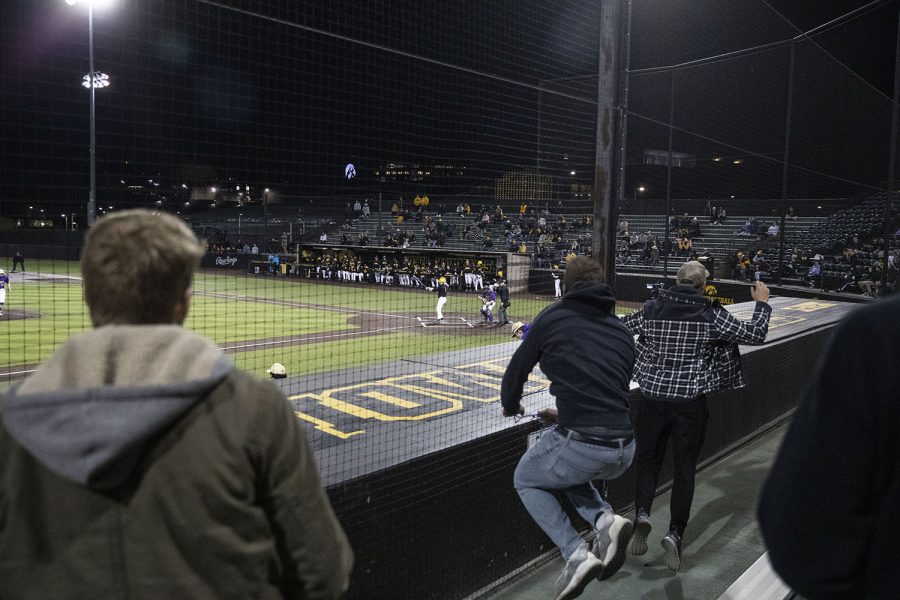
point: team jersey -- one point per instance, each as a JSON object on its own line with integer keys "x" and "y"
{"x": 441, "y": 290}
{"x": 4, "y": 281}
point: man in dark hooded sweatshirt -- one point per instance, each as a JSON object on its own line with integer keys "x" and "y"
{"x": 588, "y": 356}
{"x": 138, "y": 462}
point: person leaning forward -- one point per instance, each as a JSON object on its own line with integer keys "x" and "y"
{"x": 139, "y": 462}
{"x": 687, "y": 347}
{"x": 588, "y": 356}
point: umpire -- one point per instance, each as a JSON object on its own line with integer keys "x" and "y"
{"x": 687, "y": 347}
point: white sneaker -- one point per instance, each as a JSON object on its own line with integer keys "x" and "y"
{"x": 611, "y": 543}
{"x": 579, "y": 571}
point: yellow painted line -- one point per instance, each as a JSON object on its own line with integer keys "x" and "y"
{"x": 326, "y": 427}
{"x": 391, "y": 399}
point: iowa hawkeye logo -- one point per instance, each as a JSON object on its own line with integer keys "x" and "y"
{"x": 712, "y": 292}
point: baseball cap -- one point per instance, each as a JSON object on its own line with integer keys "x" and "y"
{"x": 442, "y": 280}
{"x": 517, "y": 326}
{"x": 692, "y": 273}
{"x": 277, "y": 370}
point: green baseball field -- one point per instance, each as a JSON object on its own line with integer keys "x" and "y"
{"x": 309, "y": 326}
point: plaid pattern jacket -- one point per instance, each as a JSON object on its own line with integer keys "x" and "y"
{"x": 688, "y": 346}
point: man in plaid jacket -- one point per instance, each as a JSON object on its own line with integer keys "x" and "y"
{"x": 687, "y": 347}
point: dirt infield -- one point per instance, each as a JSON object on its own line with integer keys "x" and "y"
{"x": 17, "y": 314}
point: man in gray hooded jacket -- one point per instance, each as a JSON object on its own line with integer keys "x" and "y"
{"x": 137, "y": 462}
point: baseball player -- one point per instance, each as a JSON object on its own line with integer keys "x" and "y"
{"x": 488, "y": 299}
{"x": 4, "y": 285}
{"x": 557, "y": 283}
{"x": 478, "y": 276}
{"x": 520, "y": 330}
{"x": 442, "y": 297}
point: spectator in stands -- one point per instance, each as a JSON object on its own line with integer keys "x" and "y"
{"x": 747, "y": 227}
{"x": 723, "y": 214}
{"x": 842, "y": 448}
{"x": 255, "y": 248}
{"x": 762, "y": 270}
{"x": 365, "y": 209}
{"x": 814, "y": 274}
{"x": 772, "y": 231}
{"x": 357, "y": 209}
{"x": 587, "y": 355}
{"x": 687, "y": 348}
{"x": 363, "y": 238}
{"x": 139, "y": 461}
{"x": 866, "y": 282}
{"x": 487, "y": 243}
{"x": 523, "y": 249}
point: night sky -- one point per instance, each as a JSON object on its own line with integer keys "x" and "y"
{"x": 283, "y": 94}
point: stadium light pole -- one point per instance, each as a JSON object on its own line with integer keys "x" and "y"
{"x": 266, "y": 218}
{"x": 92, "y": 81}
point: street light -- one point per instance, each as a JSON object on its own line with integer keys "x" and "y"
{"x": 66, "y": 217}
{"x": 92, "y": 80}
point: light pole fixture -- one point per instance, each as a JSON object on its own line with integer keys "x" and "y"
{"x": 92, "y": 81}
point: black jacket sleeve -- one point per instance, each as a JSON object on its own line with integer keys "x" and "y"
{"x": 520, "y": 365}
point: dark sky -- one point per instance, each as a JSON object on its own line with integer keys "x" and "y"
{"x": 284, "y": 96}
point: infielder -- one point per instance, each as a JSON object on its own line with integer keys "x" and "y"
{"x": 4, "y": 285}
{"x": 442, "y": 298}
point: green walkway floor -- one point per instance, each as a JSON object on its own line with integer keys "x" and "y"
{"x": 722, "y": 540}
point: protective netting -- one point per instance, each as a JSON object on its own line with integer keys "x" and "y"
{"x": 341, "y": 159}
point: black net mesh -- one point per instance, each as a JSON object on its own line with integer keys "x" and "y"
{"x": 341, "y": 158}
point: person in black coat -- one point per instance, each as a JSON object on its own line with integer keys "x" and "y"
{"x": 828, "y": 511}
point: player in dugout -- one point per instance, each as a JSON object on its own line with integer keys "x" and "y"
{"x": 139, "y": 462}
{"x": 588, "y": 355}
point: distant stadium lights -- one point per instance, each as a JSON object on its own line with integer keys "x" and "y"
{"x": 642, "y": 189}
{"x": 91, "y": 3}
{"x": 571, "y": 172}
{"x": 101, "y": 80}
{"x": 717, "y": 159}
{"x": 737, "y": 161}
{"x": 213, "y": 189}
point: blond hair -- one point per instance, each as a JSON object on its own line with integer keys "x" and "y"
{"x": 137, "y": 266}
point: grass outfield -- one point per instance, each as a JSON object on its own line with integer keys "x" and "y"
{"x": 308, "y": 326}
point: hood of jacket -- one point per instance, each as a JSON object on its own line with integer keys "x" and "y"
{"x": 592, "y": 293}
{"x": 88, "y": 411}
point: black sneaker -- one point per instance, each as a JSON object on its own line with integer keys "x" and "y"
{"x": 672, "y": 546}
{"x": 642, "y": 527}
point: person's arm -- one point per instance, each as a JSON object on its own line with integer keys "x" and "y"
{"x": 819, "y": 508}
{"x": 635, "y": 322}
{"x": 520, "y": 365}
{"x": 731, "y": 329}
{"x": 316, "y": 555}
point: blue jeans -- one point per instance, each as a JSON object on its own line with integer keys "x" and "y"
{"x": 556, "y": 462}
